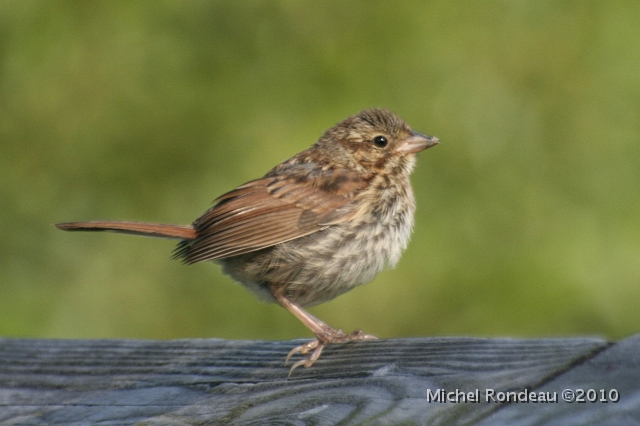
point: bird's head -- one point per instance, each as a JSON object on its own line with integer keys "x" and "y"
{"x": 375, "y": 141}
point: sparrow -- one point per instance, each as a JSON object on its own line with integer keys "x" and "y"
{"x": 314, "y": 227}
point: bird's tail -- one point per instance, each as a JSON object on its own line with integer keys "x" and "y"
{"x": 180, "y": 232}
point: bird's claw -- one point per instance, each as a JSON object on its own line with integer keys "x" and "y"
{"x": 303, "y": 350}
{"x": 329, "y": 336}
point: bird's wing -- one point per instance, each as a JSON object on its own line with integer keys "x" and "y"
{"x": 272, "y": 210}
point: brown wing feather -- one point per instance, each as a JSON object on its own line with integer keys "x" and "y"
{"x": 272, "y": 210}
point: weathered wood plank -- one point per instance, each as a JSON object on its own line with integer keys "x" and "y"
{"x": 245, "y": 382}
{"x": 617, "y": 368}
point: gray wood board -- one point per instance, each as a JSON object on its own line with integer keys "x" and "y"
{"x": 617, "y": 368}
{"x": 211, "y": 381}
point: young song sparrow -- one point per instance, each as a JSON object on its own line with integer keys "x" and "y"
{"x": 315, "y": 226}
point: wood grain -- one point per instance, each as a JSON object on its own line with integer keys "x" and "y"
{"x": 184, "y": 382}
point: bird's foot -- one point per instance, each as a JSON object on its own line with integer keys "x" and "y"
{"x": 328, "y": 335}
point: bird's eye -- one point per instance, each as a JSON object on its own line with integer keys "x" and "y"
{"x": 380, "y": 141}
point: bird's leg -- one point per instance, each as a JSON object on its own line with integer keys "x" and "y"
{"x": 324, "y": 334}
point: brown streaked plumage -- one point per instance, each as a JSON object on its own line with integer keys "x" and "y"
{"x": 315, "y": 226}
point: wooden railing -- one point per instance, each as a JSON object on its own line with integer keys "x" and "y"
{"x": 394, "y": 381}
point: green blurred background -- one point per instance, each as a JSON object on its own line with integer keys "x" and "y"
{"x": 528, "y": 212}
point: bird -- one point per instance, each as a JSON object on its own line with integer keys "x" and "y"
{"x": 314, "y": 227}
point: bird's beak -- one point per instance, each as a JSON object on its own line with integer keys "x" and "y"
{"x": 416, "y": 143}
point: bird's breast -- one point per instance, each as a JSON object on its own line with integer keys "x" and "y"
{"x": 320, "y": 266}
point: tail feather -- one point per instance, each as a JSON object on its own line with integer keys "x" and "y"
{"x": 180, "y": 232}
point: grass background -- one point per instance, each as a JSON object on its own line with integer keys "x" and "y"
{"x": 528, "y": 212}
